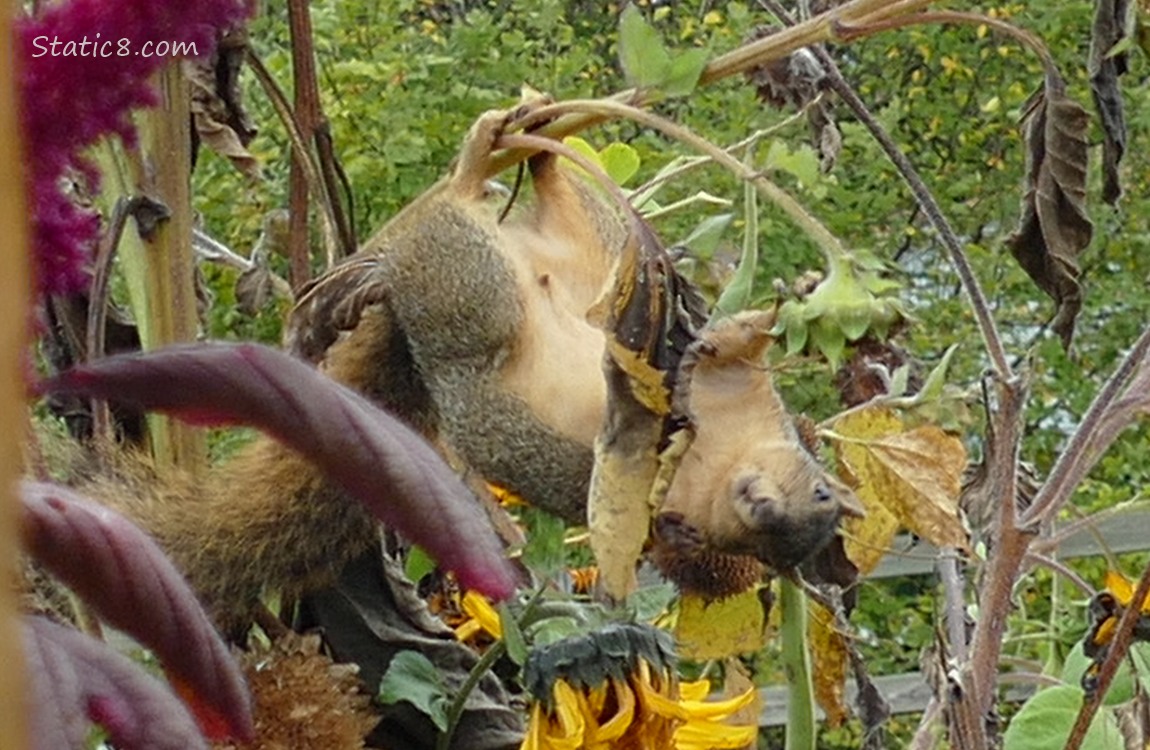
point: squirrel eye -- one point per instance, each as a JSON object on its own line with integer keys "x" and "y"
{"x": 822, "y": 494}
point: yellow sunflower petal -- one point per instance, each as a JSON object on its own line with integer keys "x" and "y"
{"x": 533, "y": 740}
{"x": 467, "y": 630}
{"x": 718, "y": 709}
{"x": 1120, "y": 586}
{"x": 477, "y": 606}
{"x": 653, "y": 700}
{"x": 617, "y": 725}
{"x": 713, "y": 735}
{"x": 571, "y": 722}
{"x": 695, "y": 691}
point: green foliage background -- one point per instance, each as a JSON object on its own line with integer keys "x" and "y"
{"x": 402, "y": 80}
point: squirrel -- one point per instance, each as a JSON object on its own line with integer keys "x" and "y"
{"x": 748, "y": 485}
{"x": 474, "y": 330}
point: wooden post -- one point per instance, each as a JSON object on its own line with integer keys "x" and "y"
{"x": 15, "y": 286}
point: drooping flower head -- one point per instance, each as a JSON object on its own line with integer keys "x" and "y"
{"x": 617, "y": 689}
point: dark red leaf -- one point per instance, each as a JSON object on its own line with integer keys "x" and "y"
{"x": 366, "y": 451}
{"x": 72, "y": 676}
{"x": 126, "y": 579}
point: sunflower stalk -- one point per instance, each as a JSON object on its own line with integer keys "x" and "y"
{"x": 15, "y": 286}
{"x": 797, "y": 666}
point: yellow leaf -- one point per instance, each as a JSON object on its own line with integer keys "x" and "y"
{"x": 618, "y": 510}
{"x": 720, "y": 629}
{"x": 828, "y": 663}
{"x": 913, "y": 477}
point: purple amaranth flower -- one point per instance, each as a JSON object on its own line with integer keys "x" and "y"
{"x": 83, "y": 67}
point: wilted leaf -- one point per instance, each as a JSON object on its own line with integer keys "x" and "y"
{"x": 904, "y": 478}
{"x": 718, "y": 629}
{"x": 413, "y": 678}
{"x": 126, "y": 579}
{"x": 795, "y": 79}
{"x": 644, "y": 59}
{"x": 254, "y": 287}
{"x": 216, "y": 103}
{"x": 366, "y": 451}
{"x": 72, "y": 676}
{"x": 650, "y": 315}
{"x": 828, "y": 663}
{"x": 1054, "y": 227}
{"x": 1105, "y": 66}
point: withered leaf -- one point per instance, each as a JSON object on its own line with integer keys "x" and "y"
{"x": 904, "y": 478}
{"x": 719, "y": 629}
{"x": 367, "y": 452}
{"x": 650, "y": 314}
{"x": 829, "y": 659}
{"x": 1105, "y": 67}
{"x": 254, "y": 287}
{"x": 220, "y": 120}
{"x": 1055, "y": 227}
{"x": 333, "y": 303}
{"x": 74, "y": 679}
{"x": 126, "y": 579}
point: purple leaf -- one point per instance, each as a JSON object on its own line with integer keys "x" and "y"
{"x": 126, "y": 579}
{"x": 72, "y": 676}
{"x": 366, "y": 451}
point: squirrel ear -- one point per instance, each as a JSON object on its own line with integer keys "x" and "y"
{"x": 743, "y": 336}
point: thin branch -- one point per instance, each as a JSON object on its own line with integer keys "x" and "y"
{"x": 609, "y": 109}
{"x": 1085, "y": 446}
{"x": 299, "y": 147}
{"x": 94, "y": 335}
{"x": 821, "y": 28}
{"x": 1062, "y": 569}
{"x": 922, "y": 194}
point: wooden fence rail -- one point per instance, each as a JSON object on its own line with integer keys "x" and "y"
{"x": 1123, "y": 531}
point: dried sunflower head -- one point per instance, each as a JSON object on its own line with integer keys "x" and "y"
{"x": 304, "y": 699}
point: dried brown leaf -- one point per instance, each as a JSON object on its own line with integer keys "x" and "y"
{"x": 1105, "y": 67}
{"x": 367, "y": 452}
{"x": 650, "y": 315}
{"x": 126, "y": 579}
{"x": 1055, "y": 227}
{"x": 218, "y": 114}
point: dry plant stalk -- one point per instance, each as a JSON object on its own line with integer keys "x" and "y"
{"x": 14, "y": 289}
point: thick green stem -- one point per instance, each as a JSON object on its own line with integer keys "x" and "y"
{"x": 797, "y": 665}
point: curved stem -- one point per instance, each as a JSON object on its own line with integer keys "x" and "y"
{"x": 607, "y": 109}
{"x": 821, "y": 28}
